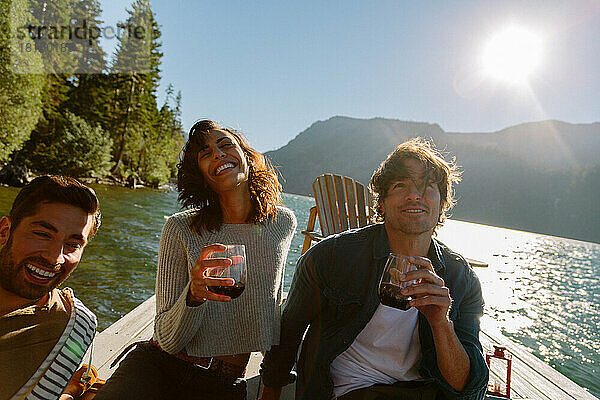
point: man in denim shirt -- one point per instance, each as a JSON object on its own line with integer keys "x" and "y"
{"x": 357, "y": 348}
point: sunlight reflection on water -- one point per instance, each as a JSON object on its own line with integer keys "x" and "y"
{"x": 542, "y": 291}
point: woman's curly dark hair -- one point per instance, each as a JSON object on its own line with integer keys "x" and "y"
{"x": 194, "y": 192}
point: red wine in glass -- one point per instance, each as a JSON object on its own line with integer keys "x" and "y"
{"x": 231, "y": 291}
{"x": 389, "y": 295}
{"x": 236, "y": 271}
{"x": 390, "y": 285}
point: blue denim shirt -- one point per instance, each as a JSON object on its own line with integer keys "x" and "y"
{"x": 334, "y": 294}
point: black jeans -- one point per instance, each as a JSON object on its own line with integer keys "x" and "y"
{"x": 149, "y": 373}
{"x": 399, "y": 391}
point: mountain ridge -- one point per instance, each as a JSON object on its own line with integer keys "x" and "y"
{"x": 519, "y": 177}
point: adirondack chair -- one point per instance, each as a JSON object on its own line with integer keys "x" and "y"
{"x": 342, "y": 203}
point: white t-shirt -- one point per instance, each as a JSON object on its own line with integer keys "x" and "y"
{"x": 387, "y": 350}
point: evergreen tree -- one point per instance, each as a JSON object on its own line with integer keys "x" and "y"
{"x": 159, "y": 161}
{"x": 46, "y": 24}
{"x": 135, "y": 123}
{"x": 172, "y": 128}
{"x": 62, "y": 33}
{"x": 20, "y": 93}
{"x": 89, "y": 55}
{"x": 89, "y": 93}
{"x": 48, "y": 20}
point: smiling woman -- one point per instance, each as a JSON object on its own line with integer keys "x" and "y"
{"x": 512, "y": 55}
{"x": 203, "y": 337}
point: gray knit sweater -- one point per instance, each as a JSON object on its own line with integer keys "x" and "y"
{"x": 247, "y": 323}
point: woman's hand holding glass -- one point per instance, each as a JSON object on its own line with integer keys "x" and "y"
{"x": 199, "y": 291}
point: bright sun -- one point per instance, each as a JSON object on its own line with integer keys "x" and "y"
{"x": 512, "y": 55}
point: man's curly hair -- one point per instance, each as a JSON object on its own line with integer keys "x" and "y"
{"x": 437, "y": 170}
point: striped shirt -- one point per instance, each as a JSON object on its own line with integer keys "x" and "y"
{"x": 55, "y": 371}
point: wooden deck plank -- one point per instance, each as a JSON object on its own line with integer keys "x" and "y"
{"x": 369, "y": 204}
{"x": 253, "y": 379}
{"x": 135, "y": 326}
{"x": 520, "y": 388}
{"x": 531, "y": 377}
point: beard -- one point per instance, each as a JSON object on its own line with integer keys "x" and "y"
{"x": 408, "y": 226}
{"x": 13, "y": 279}
{"x": 411, "y": 228}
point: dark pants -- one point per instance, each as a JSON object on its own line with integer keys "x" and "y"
{"x": 149, "y": 373}
{"x": 399, "y": 391}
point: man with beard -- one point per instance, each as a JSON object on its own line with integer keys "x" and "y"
{"x": 357, "y": 348}
{"x": 44, "y": 331}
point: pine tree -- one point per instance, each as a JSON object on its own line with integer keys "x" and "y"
{"x": 20, "y": 93}
{"x": 49, "y": 18}
{"x": 136, "y": 71}
{"x": 172, "y": 128}
{"x": 89, "y": 91}
{"x": 46, "y": 24}
{"x": 89, "y": 55}
{"x": 159, "y": 160}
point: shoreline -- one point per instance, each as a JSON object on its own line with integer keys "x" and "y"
{"x": 15, "y": 176}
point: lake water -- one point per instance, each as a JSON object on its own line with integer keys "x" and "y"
{"x": 542, "y": 291}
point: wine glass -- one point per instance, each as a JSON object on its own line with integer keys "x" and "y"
{"x": 390, "y": 284}
{"x": 237, "y": 270}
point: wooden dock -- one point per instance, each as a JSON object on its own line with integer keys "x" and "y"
{"x": 532, "y": 379}
{"x": 139, "y": 325}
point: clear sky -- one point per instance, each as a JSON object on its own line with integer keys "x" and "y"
{"x": 272, "y": 68}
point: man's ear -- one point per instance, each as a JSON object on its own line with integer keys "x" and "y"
{"x": 4, "y": 230}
